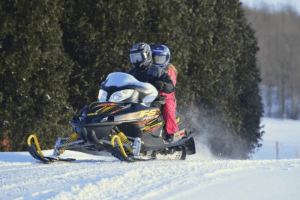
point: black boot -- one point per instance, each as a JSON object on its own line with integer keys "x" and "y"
{"x": 170, "y": 138}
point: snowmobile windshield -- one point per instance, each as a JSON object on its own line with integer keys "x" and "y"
{"x": 119, "y": 79}
{"x": 117, "y": 82}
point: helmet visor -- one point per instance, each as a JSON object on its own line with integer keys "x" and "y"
{"x": 136, "y": 57}
{"x": 159, "y": 59}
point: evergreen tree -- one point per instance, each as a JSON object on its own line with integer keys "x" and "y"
{"x": 240, "y": 99}
{"x": 34, "y": 72}
{"x": 98, "y": 36}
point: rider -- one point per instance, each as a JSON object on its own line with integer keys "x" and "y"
{"x": 161, "y": 58}
{"x": 144, "y": 70}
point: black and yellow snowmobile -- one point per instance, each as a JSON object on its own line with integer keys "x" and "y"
{"x": 125, "y": 121}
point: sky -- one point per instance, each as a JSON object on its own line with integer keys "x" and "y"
{"x": 273, "y": 3}
{"x": 200, "y": 176}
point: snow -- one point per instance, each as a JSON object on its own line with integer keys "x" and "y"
{"x": 201, "y": 176}
{"x": 272, "y": 4}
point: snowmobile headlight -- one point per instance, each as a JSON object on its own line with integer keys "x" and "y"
{"x": 102, "y": 96}
{"x": 121, "y": 95}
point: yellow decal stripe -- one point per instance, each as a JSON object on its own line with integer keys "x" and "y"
{"x": 107, "y": 109}
{"x": 102, "y": 110}
{"x": 149, "y": 127}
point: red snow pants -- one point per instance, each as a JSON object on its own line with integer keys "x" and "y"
{"x": 169, "y": 109}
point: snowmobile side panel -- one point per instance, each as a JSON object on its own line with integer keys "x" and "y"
{"x": 131, "y": 129}
{"x": 152, "y": 143}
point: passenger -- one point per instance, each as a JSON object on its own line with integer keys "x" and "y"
{"x": 161, "y": 58}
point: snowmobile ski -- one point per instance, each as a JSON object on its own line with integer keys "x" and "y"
{"x": 37, "y": 153}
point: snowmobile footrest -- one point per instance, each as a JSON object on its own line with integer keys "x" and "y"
{"x": 182, "y": 141}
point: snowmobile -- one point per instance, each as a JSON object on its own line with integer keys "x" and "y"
{"x": 126, "y": 121}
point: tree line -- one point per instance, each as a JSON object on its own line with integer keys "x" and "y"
{"x": 54, "y": 54}
{"x": 278, "y": 34}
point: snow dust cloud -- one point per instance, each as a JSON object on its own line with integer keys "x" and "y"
{"x": 212, "y": 139}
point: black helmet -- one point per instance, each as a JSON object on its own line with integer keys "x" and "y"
{"x": 140, "y": 55}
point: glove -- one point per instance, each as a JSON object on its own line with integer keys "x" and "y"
{"x": 160, "y": 99}
{"x": 159, "y": 85}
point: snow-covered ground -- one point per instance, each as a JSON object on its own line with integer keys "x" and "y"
{"x": 201, "y": 176}
{"x": 272, "y": 4}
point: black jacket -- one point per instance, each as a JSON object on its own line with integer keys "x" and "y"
{"x": 157, "y": 76}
